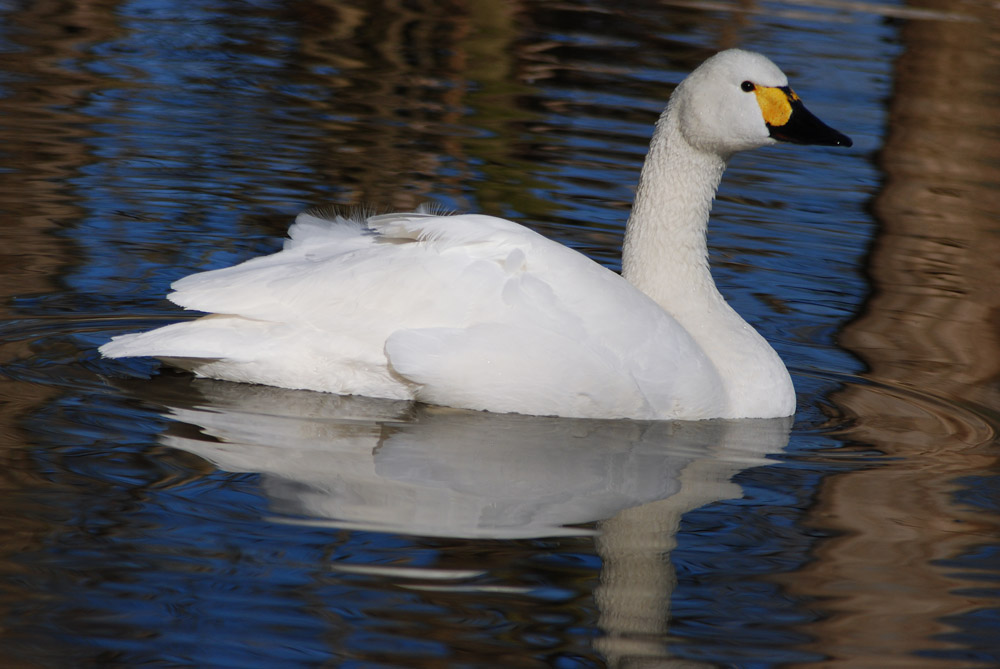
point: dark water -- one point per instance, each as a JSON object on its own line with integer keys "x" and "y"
{"x": 163, "y": 521}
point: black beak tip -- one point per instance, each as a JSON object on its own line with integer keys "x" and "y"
{"x": 843, "y": 140}
{"x": 802, "y": 127}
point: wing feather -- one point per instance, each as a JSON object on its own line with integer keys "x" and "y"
{"x": 464, "y": 310}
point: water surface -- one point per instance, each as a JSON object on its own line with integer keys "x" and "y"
{"x": 154, "y": 519}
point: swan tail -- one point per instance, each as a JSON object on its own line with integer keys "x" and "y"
{"x": 207, "y": 338}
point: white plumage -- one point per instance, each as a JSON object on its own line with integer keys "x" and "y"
{"x": 479, "y": 312}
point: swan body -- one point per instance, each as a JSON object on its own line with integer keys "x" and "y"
{"x": 479, "y": 312}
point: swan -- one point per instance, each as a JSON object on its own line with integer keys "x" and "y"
{"x": 478, "y": 312}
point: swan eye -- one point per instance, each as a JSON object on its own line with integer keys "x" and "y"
{"x": 747, "y": 86}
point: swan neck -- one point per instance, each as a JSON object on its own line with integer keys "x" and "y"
{"x": 665, "y": 253}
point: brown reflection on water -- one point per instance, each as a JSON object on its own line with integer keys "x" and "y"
{"x": 930, "y": 325}
{"x": 40, "y": 148}
{"x": 878, "y": 580}
{"x": 39, "y": 136}
{"x": 398, "y": 83}
{"x": 40, "y": 151}
{"x": 408, "y": 78}
{"x": 934, "y": 321}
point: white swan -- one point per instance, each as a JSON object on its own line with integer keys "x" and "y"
{"x": 479, "y": 312}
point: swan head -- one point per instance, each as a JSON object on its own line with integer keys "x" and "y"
{"x": 739, "y": 100}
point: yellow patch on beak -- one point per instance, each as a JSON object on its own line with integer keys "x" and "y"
{"x": 775, "y": 104}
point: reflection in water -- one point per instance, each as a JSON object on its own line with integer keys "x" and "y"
{"x": 931, "y": 325}
{"x": 900, "y": 528}
{"x": 389, "y": 466}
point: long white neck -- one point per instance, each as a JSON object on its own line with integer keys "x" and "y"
{"x": 666, "y": 250}
{"x": 665, "y": 255}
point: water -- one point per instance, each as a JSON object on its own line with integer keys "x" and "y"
{"x": 150, "y": 519}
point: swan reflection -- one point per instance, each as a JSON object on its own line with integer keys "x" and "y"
{"x": 360, "y": 463}
{"x": 371, "y": 464}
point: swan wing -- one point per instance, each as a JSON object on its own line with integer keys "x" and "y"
{"x": 470, "y": 310}
{"x": 379, "y": 264}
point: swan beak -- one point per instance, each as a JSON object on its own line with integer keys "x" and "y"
{"x": 788, "y": 120}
